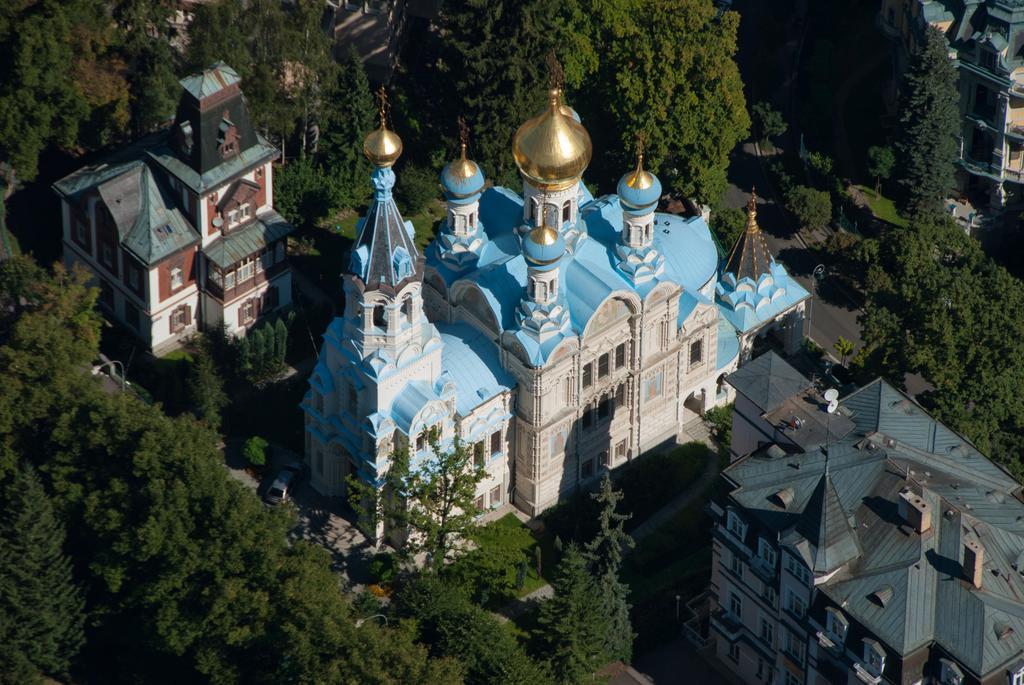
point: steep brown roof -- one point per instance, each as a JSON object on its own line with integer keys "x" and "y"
{"x": 750, "y": 257}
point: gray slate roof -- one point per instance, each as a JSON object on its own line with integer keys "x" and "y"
{"x": 210, "y": 81}
{"x": 148, "y": 221}
{"x": 267, "y": 227}
{"x": 381, "y": 233}
{"x": 767, "y": 381}
{"x": 895, "y": 445}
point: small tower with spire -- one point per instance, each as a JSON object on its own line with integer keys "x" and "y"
{"x": 380, "y": 345}
{"x": 639, "y": 191}
{"x": 461, "y": 238}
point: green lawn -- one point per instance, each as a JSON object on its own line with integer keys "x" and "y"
{"x": 496, "y": 532}
{"x": 882, "y": 207}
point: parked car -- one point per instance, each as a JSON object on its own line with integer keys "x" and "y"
{"x": 280, "y": 490}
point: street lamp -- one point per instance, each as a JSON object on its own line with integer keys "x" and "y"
{"x": 361, "y": 621}
{"x": 818, "y": 274}
{"x": 113, "y": 363}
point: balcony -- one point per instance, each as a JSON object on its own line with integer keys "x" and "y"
{"x": 865, "y": 675}
{"x": 697, "y": 628}
{"x": 727, "y": 624}
{"x": 977, "y": 168}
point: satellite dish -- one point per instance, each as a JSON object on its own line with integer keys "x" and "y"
{"x": 832, "y": 397}
{"x": 217, "y": 222}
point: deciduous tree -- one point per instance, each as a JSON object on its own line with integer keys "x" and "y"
{"x": 880, "y": 164}
{"x": 812, "y": 208}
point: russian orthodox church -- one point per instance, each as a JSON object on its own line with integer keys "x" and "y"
{"x": 557, "y": 333}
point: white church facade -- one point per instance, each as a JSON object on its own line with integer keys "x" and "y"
{"x": 559, "y": 334}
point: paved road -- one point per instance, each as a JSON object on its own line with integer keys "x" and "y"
{"x": 831, "y": 312}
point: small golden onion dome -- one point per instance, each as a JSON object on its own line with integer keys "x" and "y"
{"x": 640, "y": 179}
{"x": 463, "y": 168}
{"x": 544, "y": 235}
{"x": 552, "y": 150}
{"x": 382, "y": 147}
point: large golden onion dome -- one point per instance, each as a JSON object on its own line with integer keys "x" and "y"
{"x": 552, "y": 150}
{"x": 382, "y": 147}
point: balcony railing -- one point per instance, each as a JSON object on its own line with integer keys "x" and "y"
{"x": 726, "y": 623}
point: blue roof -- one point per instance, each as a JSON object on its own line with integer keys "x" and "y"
{"x": 472, "y": 360}
{"x": 748, "y": 305}
{"x": 728, "y": 343}
{"x": 638, "y": 200}
{"x": 460, "y": 189}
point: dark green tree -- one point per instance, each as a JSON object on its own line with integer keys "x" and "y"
{"x": 812, "y": 208}
{"x": 40, "y": 103}
{"x": 767, "y": 122}
{"x": 416, "y": 187}
{"x": 604, "y": 553}
{"x": 206, "y": 389}
{"x": 455, "y": 627}
{"x": 574, "y": 623}
{"x": 280, "y": 341}
{"x": 39, "y": 600}
{"x": 881, "y": 161}
{"x": 929, "y": 127}
{"x": 728, "y": 223}
{"x": 305, "y": 193}
{"x": 345, "y": 124}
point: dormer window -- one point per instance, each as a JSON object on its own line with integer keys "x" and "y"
{"x": 227, "y": 137}
{"x": 401, "y": 263}
{"x": 950, "y": 673}
{"x": 765, "y": 552}
{"x": 239, "y": 214}
{"x": 735, "y": 525}
{"x": 836, "y": 625}
{"x": 185, "y": 137}
{"x": 874, "y": 656}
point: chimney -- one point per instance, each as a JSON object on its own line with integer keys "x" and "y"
{"x": 914, "y": 510}
{"x": 974, "y": 559}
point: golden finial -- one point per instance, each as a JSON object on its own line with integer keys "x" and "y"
{"x": 752, "y": 211}
{"x": 382, "y": 147}
{"x": 463, "y": 136}
{"x": 640, "y": 179}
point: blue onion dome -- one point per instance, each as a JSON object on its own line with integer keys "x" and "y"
{"x": 639, "y": 190}
{"x": 543, "y": 247}
{"x": 462, "y": 179}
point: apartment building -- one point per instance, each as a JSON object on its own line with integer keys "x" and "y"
{"x": 870, "y": 545}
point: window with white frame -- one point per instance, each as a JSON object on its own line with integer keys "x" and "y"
{"x": 735, "y": 525}
{"x": 796, "y": 567}
{"x": 792, "y": 679}
{"x": 737, "y": 565}
{"x": 248, "y": 311}
{"x": 245, "y": 270}
{"x": 736, "y": 605}
{"x": 1017, "y": 677}
{"x": 176, "y": 278}
{"x": 765, "y": 552}
{"x": 215, "y": 276}
{"x": 795, "y": 604}
{"x": 836, "y": 625}
{"x": 229, "y": 280}
{"x": 767, "y": 632}
{"x": 874, "y": 656}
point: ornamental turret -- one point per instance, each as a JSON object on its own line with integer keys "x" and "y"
{"x": 461, "y": 238}
{"x": 639, "y": 191}
{"x": 543, "y": 312}
{"x": 385, "y": 261}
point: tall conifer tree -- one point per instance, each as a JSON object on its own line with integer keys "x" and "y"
{"x": 929, "y": 126}
{"x": 605, "y": 555}
{"x": 40, "y": 603}
{"x": 574, "y": 622}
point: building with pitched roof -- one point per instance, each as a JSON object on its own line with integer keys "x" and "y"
{"x": 560, "y": 334}
{"x": 874, "y": 546}
{"x": 179, "y": 229}
{"x": 986, "y": 39}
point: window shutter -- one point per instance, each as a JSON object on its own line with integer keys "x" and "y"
{"x": 241, "y": 307}
{"x": 170, "y": 322}
{"x": 188, "y": 315}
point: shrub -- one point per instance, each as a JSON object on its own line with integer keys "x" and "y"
{"x": 416, "y": 186}
{"x": 255, "y": 451}
{"x": 720, "y": 420}
{"x": 383, "y": 567}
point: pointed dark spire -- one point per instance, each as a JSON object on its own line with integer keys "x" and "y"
{"x": 750, "y": 256}
{"x": 825, "y": 524}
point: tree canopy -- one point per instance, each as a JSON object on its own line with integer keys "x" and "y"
{"x": 187, "y": 576}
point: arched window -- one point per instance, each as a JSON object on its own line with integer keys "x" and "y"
{"x": 472, "y": 220}
{"x": 379, "y": 317}
{"x": 566, "y": 211}
{"x": 460, "y": 224}
{"x": 648, "y": 232}
{"x": 541, "y": 289}
{"x": 407, "y": 309}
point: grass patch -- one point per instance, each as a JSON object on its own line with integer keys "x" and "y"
{"x": 882, "y": 207}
